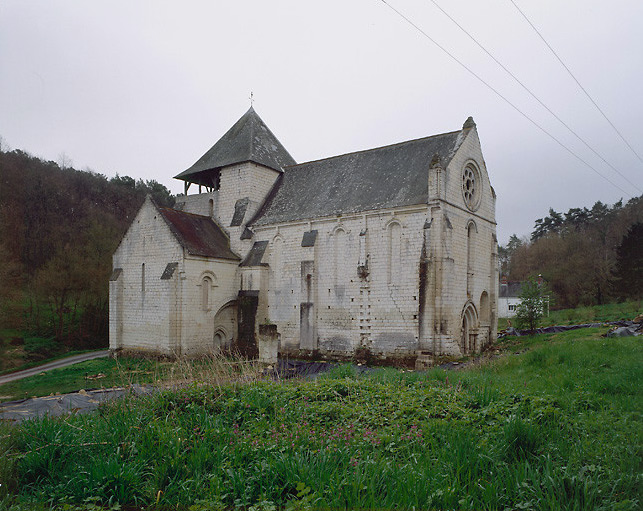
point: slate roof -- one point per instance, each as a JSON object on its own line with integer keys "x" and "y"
{"x": 200, "y": 235}
{"x": 248, "y": 140}
{"x": 386, "y": 177}
{"x": 255, "y": 255}
{"x": 510, "y": 290}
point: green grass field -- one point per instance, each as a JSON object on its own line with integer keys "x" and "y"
{"x": 554, "y": 423}
{"x": 20, "y": 351}
{"x": 26, "y": 343}
{"x": 594, "y": 314}
{"x": 101, "y": 372}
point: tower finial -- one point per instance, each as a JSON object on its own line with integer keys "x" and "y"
{"x": 252, "y": 99}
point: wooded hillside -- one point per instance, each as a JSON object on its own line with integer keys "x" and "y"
{"x": 60, "y": 226}
{"x": 587, "y": 256}
{"x": 58, "y": 230}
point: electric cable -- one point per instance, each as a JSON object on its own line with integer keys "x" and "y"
{"x": 504, "y": 68}
{"x": 576, "y": 80}
{"x": 462, "y": 64}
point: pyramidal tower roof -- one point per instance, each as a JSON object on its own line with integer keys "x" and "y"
{"x": 248, "y": 140}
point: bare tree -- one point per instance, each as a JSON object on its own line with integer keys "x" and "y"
{"x": 64, "y": 161}
{"x": 4, "y": 147}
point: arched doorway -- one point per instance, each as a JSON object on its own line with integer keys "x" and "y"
{"x": 220, "y": 339}
{"x": 469, "y": 335}
{"x": 225, "y": 326}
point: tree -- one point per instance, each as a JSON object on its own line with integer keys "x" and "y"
{"x": 533, "y": 297}
{"x": 58, "y": 230}
{"x": 64, "y": 161}
{"x": 506, "y": 253}
{"x": 629, "y": 264}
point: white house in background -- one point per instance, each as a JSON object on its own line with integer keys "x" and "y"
{"x": 508, "y": 297}
{"x": 390, "y": 251}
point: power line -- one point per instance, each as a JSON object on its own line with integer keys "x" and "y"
{"x": 501, "y": 96}
{"x": 576, "y": 80}
{"x": 531, "y": 93}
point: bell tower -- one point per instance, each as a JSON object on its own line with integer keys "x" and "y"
{"x": 236, "y": 174}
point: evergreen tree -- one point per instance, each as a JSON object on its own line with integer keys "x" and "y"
{"x": 530, "y": 310}
{"x": 628, "y": 281}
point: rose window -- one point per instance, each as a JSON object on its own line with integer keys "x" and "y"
{"x": 471, "y": 187}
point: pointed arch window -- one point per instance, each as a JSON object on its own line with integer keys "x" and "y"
{"x": 277, "y": 260}
{"x": 394, "y": 249}
{"x": 471, "y": 232}
{"x": 207, "y": 288}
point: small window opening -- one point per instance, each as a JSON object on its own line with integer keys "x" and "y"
{"x": 206, "y": 289}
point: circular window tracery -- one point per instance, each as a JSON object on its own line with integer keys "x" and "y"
{"x": 471, "y": 184}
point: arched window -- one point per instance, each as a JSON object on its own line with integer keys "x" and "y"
{"x": 394, "y": 252}
{"x": 276, "y": 260}
{"x": 485, "y": 309}
{"x": 206, "y": 292}
{"x": 211, "y": 208}
{"x": 471, "y": 231}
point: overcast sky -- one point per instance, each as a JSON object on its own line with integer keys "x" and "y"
{"x": 145, "y": 88}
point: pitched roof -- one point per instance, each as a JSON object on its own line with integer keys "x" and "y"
{"x": 386, "y": 177}
{"x": 200, "y": 235}
{"x": 255, "y": 255}
{"x": 510, "y": 290}
{"x": 248, "y": 140}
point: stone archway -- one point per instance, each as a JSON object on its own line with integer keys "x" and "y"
{"x": 469, "y": 333}
{"x": 225, "y": 326}
{"x": 220, "y": 339}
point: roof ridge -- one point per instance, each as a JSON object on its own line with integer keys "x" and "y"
{"x": 183, "y": 212}
{"x": 372, "y": 149}
{"x": 249, "y": 139}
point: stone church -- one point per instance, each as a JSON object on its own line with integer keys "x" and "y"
{"x": 390, "y": 251}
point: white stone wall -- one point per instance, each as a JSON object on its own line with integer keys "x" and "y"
{"x": 140, "y": 306}
{"x": 503, "y": 306}
{"x": 236, "y": 182}
{"x": 198, "y": 203}
{"x": 201, "y": 321}
{"x": 484, "y": 278}
{"x": 383, "y": 312}
{"x": 169, "y": 317}
{"x": 243, "y": 180}
{"x": 379, "y": 313}
{"x": 366, "y": 283}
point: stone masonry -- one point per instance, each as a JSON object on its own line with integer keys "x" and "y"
{"x": 390, "y": 252}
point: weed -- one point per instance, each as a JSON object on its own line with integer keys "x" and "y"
{"x": 521, "y": 439}
{"x": 509, "y": 434}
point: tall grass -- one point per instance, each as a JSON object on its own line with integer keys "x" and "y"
{"x": 506, "y": 435}
{"x": 98, "y": 373}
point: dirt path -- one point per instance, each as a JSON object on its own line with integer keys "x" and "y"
{"x": 56, "y": 364}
